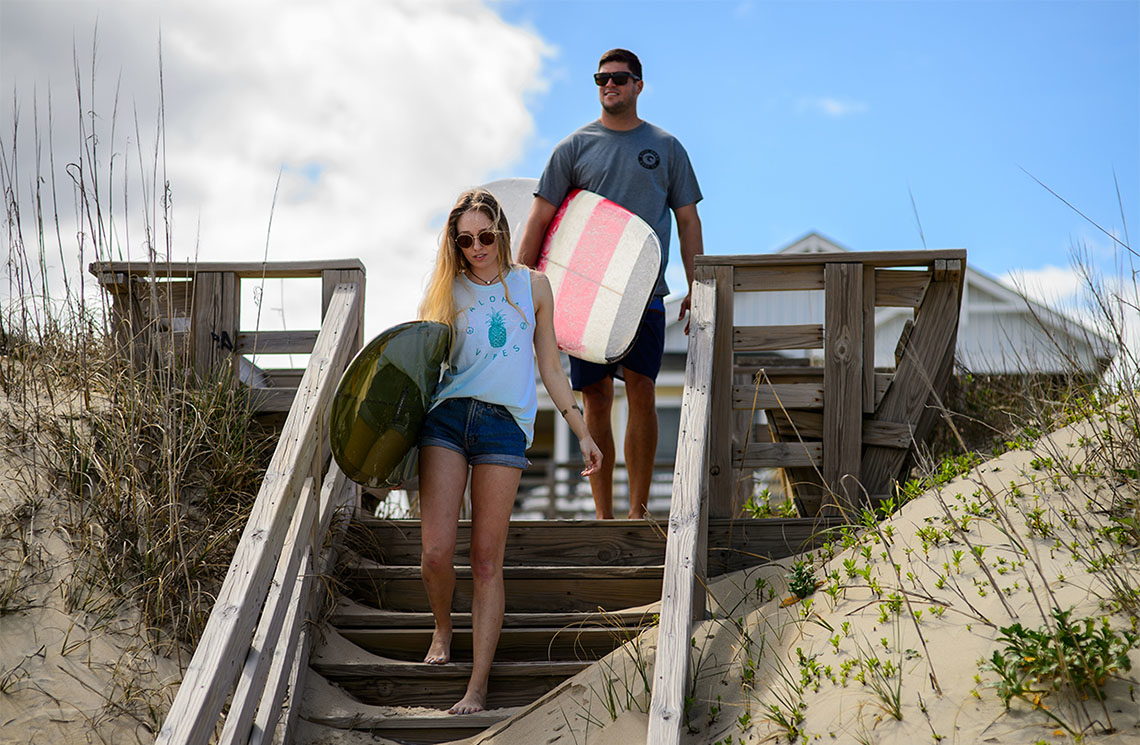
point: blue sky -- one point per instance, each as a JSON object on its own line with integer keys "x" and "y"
{"x": 804, "y": 116}
{"x": 798, "y": 116}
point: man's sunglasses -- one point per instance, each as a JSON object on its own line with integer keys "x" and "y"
{"x": 466, "y": 240}
{"x": 619, "y": 78}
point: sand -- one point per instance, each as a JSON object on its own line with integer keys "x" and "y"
{"x": 908, "y": 596}
{"x": 934, "y": 618}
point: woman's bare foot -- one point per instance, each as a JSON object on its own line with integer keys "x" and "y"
{"x": 439, "y": 653}
{"x": 469, "y": 704}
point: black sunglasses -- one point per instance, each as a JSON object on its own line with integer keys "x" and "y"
{"x": 619, "y": 78}
{"x": 466, "y": 240}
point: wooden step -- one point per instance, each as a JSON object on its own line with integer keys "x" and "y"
{"x": 420, "y": 730}
{"x": 386, "y": 682}
{"x": 733, "y": 543}
{"x": 328, "y": 705}
{"x": 535, "y": 644}
{"x": 350, "y": 614}
{"x": 529, "y": 542}
{"x": 528, "y": 588}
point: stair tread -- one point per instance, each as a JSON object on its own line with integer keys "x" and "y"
{"x": 350, "y": 614}
{"x": 366, "y": 567}
{"x": 379, "y": 667}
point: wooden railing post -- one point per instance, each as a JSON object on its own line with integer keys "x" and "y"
{"x": 686, "y": 550}
{"x": 215, "y": 323}
{"x": 843, "y": 385}
{"x": 722, "y": 487}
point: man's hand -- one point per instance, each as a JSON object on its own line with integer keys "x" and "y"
{"x": 686, "y": 306}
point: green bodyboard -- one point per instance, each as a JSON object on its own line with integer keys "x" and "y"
{"x": 381, "y": 402}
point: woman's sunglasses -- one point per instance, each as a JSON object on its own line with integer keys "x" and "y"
{"x": 619, "y": 78}
{"x": 466, "y": 240}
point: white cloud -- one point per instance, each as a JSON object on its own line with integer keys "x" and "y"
{"x": 375, "y": 114}
{"x": 833, "y": 107}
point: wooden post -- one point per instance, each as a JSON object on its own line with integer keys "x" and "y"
{"x": 214, "y": 323}
{"x": 330, "y": 278}
{"x": 721, "y": 481}
{"x": 843, "y": 384}
{"x": 686, "y": 552}
{"x": 868, "y": 339}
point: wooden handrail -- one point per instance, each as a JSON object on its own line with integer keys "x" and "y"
{"x": 225, "y": 645}
{"x": 686, "y": 552}
{"x": 244, "y": 269}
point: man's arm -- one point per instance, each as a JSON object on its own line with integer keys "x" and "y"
{"x": 692, "y": 245}
{"x": 541, "y": 213}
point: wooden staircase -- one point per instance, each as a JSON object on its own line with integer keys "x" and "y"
{"x": 574, "y": 592}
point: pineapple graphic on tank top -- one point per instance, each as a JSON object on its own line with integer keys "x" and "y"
{"x": 493, "y": 355}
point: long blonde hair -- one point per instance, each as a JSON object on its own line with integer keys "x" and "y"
{"x": 439, "y": 298}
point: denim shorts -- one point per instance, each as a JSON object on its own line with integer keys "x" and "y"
{"x": 486, "y": 434}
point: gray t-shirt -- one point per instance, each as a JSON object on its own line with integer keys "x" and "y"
{"x": 645, "y": 170}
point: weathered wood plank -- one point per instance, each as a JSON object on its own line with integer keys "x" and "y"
{"x": 382, "y": 682}
{"x": 742, "y": 542}
{"x": 808, "y": 425}
{"x": 778, "y": 396}
{"x": 243, "y": 269}
{"x": 251, "y": 683}
{"x": 215, "y": 664}
{"x": 900, "y": 288}
{"x": 720, "y": 426}
{"x": 869, "y": 289}
{"x": 268, "y": 400}
{"x": 934, "y": 330}
{"x": 330, "y": 278}
{"x": 545, "y": 589}
{"x": 766, "y": 338}
{"x": 580, "y": 542}
{"x": 349, "y": 614}
{"x": 781, "y": 455}
{"x": 534, "y": 643}
{"x": 778, "y": 278}
{"x": 843, "y": 381}
{"x": 214, "y": 324}
{"x": 924, "y": 258}
{"x": 682, "y": 595}
{"x": 275, "y": 342}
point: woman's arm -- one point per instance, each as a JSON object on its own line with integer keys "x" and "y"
{"x": 550, "y": 369}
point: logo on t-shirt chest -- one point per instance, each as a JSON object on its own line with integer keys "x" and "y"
{"x": 649, "y": 159}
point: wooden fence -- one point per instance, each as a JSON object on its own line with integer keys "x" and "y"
{"x": 187, "y": 316}
{"x": 842, "y": 433}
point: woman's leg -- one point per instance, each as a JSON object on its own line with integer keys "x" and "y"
{"x": 443, "y": 476}
{"x": 493, "y": 490}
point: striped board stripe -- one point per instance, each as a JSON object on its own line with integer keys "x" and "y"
{"x": 602, "y": 262}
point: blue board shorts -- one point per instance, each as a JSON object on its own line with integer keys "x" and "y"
{"x": 644, "y": 356}
{"x": 486, "y": 434}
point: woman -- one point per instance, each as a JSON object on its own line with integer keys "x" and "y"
{"x": 501, "y": 316}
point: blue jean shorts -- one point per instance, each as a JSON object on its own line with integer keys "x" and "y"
{"x": 486, "y": 434}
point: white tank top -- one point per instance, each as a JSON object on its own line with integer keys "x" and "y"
{"x": 493, "y": 356}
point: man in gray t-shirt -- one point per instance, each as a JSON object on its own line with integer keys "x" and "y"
{"x": 647, "y": 171}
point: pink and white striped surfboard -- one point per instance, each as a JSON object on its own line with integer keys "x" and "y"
{"x": 602, "y": 261}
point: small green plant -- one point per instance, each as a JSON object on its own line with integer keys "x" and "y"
{"x": 801, "y": 580}
{"x": 761, "y": 506}
{"x": 1076, "y": 654}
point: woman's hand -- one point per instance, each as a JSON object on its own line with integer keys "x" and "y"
{"x": 591, "y": 456}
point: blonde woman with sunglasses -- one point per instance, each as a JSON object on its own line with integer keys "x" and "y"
{"x": 501, "y": 317}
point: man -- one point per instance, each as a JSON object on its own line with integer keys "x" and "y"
{"x": 647, "y": 171}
